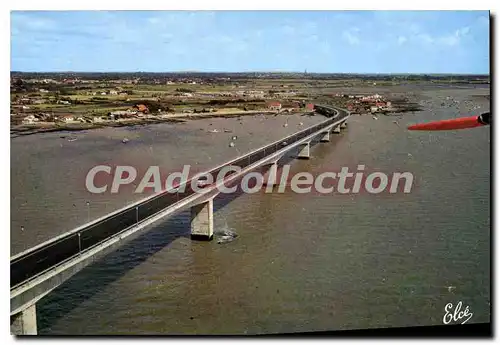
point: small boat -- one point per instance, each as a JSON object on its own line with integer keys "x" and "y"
{"x": 213, "y": 131}
{"x": 225, "y": 235}
{"x": 72, "y": 139}
{"x": 125, "y": 140}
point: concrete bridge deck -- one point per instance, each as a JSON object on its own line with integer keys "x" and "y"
{"x": 39, "y": 270}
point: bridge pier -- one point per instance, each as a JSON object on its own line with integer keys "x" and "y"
{"x": 202, "y": 221}
{"x": 336, "y": 129}
{"x": 326, "y": 137}
{"x": 343, "y": 125}
{"x": 24, "y": 322}
{"x": 304, "y": 151}
{"x": 271, "y": 176}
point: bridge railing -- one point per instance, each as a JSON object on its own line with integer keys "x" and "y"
{"x": 37, "y": 260}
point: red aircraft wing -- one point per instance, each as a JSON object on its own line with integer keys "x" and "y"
{"x": 460, "y": 123}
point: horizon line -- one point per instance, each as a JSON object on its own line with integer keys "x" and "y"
{"x": 269, "y": 72}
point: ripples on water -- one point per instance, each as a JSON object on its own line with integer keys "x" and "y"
{"x": 309, "y": 262}
{"x": 48, "y": 172}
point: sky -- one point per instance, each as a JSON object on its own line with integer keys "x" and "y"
{"x": 248, "y": 41}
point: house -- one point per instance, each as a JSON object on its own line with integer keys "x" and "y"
{"x": 371, "y": 98}
{"x": 373, "y": 109}
{"x": 29, "y": 119}
{"x": 43, "y": 116}
{"x": 310, "y": 106}
{"x": 113, "y": 92}
{"x": 274, "y": 106}
{"x": 141, "y": 108}
{"x": 122, "y": 114}
{"x": 257, "y": 95}
{"x": 285, "y": 94}
{"x": 97, "y": 119}
{"x": 64, "y": 102}
{"x": 67, "y": 118}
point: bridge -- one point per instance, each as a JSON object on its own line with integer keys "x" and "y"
{"x": 40, "y": 269}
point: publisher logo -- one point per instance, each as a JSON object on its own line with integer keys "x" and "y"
{"x": 456, "y": 314}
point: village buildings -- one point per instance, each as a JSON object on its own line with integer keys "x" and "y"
{"x": 66, "y": 118}
{"x": 275, "y": 105}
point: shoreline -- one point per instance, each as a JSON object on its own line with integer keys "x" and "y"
{"x": 181, "y": 118}
{"x": 76, "y": 127}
